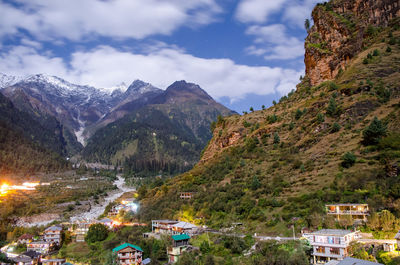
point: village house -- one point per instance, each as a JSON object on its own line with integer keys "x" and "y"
{"x": 53, "y": 261}
{"x": 330, "y": 244}
{"x": 358, "y": 212}
{"x": 34, "y": 255}
{"x": 171, "y": 227}
{"x": 81, "y": 230}
{"x": 179, "y": 245}
{"x": 25, "y": 238}
{"x": 128, "y": 254}
{"x": 186, "y": 195}
{"x": 53, "y": 234}
{"x": 40, "y": 246}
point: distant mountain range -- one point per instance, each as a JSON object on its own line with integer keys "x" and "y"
{"x": 73, "y": 115}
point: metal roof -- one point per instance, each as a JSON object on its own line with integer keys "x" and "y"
{"x": 121, "y": 247}
{"x": 333, "y": 232}
{"x": 347, "y": 204}
{"x": 185, "y": 225}
{"x": 51, "y": 228}
{"x": 180, "y": 237}
{"x": 353, "y": 261}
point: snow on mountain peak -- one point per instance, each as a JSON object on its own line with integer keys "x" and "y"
{"x": 8, "y": 80}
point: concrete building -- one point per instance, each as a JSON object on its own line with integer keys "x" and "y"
{"x": 171, "y": 227}
{"x": 179, "y": 245}
{"x": 358, "y": 212}
{"x": 128, "y": 254}
{"x": 330, "y": 244}
{"x": 186, "y": 195}
{"x": 53, "y": 234}
{"x": 42, "y": 247}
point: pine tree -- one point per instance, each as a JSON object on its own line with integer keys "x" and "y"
{"x": 374, "y": 132}
{"x": 277, "y": 140}
{"x": 307, "y": 24}
{"x": 332, "y": 108}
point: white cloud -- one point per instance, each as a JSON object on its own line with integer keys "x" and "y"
{"x": 257, "y": 10}
{"x": 275, "y": 43}
{"x": 105, "y": 66}
{"x": 76, "y": 19}
{"x": 297, "y": 12}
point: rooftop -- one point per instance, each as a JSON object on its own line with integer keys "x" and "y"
{"x": 397, "y": 236}
{"x": 185, "y": 225}
{"x": 347, "y": 204}
{"x": 53, "y": 228}
{"x": 121, "y": 247}
{"x": 165, "y": 221}
{"x": 180, "y": 237}
{"x": 40, "y": 242}
{"x": 352, "y": 261}
{"x": 26, "y": 236}
{"x": 333, "y": 232}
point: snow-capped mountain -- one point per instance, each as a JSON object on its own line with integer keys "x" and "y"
{"x": 8, "y": 80}
{"x": 77, "y": 107}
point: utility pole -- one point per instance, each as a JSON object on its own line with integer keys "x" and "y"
{"x": 294, "y": 234}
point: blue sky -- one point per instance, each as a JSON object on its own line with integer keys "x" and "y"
{"x": 243, "y": 53}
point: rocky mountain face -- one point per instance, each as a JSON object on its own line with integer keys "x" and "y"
{"x": 334, "y": 142}
{"x": 167, "y": 134}
{"x": 339, "y": 33}
{"x": 139, "y": 126}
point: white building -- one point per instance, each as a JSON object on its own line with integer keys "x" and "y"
{"x": 171, "y": 227}
{"x": 330, "y": 244}
{"x": 52, "y": 234}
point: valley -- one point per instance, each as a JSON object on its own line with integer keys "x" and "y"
{"x": 145, "y": 175}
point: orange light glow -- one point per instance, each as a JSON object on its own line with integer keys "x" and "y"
{"x": 4, "y": 189}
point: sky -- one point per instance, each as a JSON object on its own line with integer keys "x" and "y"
{"x": 244, "y": 53}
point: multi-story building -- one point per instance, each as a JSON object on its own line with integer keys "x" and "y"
{"x": 179, "y": 245}
{"x": 171, "y": 227}
{"x": 39, "y": 246}
{"x": 358, "y": 212}
{"x": 25, "y": 238}
{"x": 53, "y": 261}
{"x": 128, "y": 254}
{"x": 52, "y": 234}
{"x": 81, "y": 230}
{"x": 330, "y": 244}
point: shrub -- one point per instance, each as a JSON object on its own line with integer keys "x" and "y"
{"x": 335, "y": 127}
{"x": 376, "y": 52}
{"x": 388, "y": 49}
{"x": 374, "y": 132}
{"x": 348, "y": 160}
{"x": 332, "y": 108}
{"x": 365, "y": 61}
{"x": 97, "y": 232}
{"x": 369, "y": 56}
{"x": 277, "y": 140}
{"x": 298, "y": 114}
{"x": 320, "y": 118}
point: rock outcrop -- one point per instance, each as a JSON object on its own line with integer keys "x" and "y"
{"x": 340, "y": 30}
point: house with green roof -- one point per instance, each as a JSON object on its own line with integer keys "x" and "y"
{"x": 180, "y": 244}
{"x": 128, "y": 254}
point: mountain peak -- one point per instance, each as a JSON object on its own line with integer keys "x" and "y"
{"x": 140, "y": 87}
{"x": 184, "y": 87}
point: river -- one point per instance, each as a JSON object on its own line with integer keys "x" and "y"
{"x": 98, "y": 209}
{"x": 95, "y": 211}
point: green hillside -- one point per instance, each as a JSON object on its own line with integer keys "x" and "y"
{"x": 338, "y": 141}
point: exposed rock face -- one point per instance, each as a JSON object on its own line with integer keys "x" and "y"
{"x": 339, "y": 32}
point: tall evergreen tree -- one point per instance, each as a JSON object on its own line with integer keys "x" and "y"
{"x": 374, "y": 132}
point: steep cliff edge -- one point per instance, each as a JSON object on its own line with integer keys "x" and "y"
{"x": 342, "y": 29}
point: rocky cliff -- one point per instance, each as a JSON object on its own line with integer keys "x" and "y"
{"x": 341, "y": 29}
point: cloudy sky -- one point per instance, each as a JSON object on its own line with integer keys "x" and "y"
{"x": 243, "y": 53}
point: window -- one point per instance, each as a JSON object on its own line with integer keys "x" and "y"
{"x": 320, "y": 249}
{"x": 335, "y": 251}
